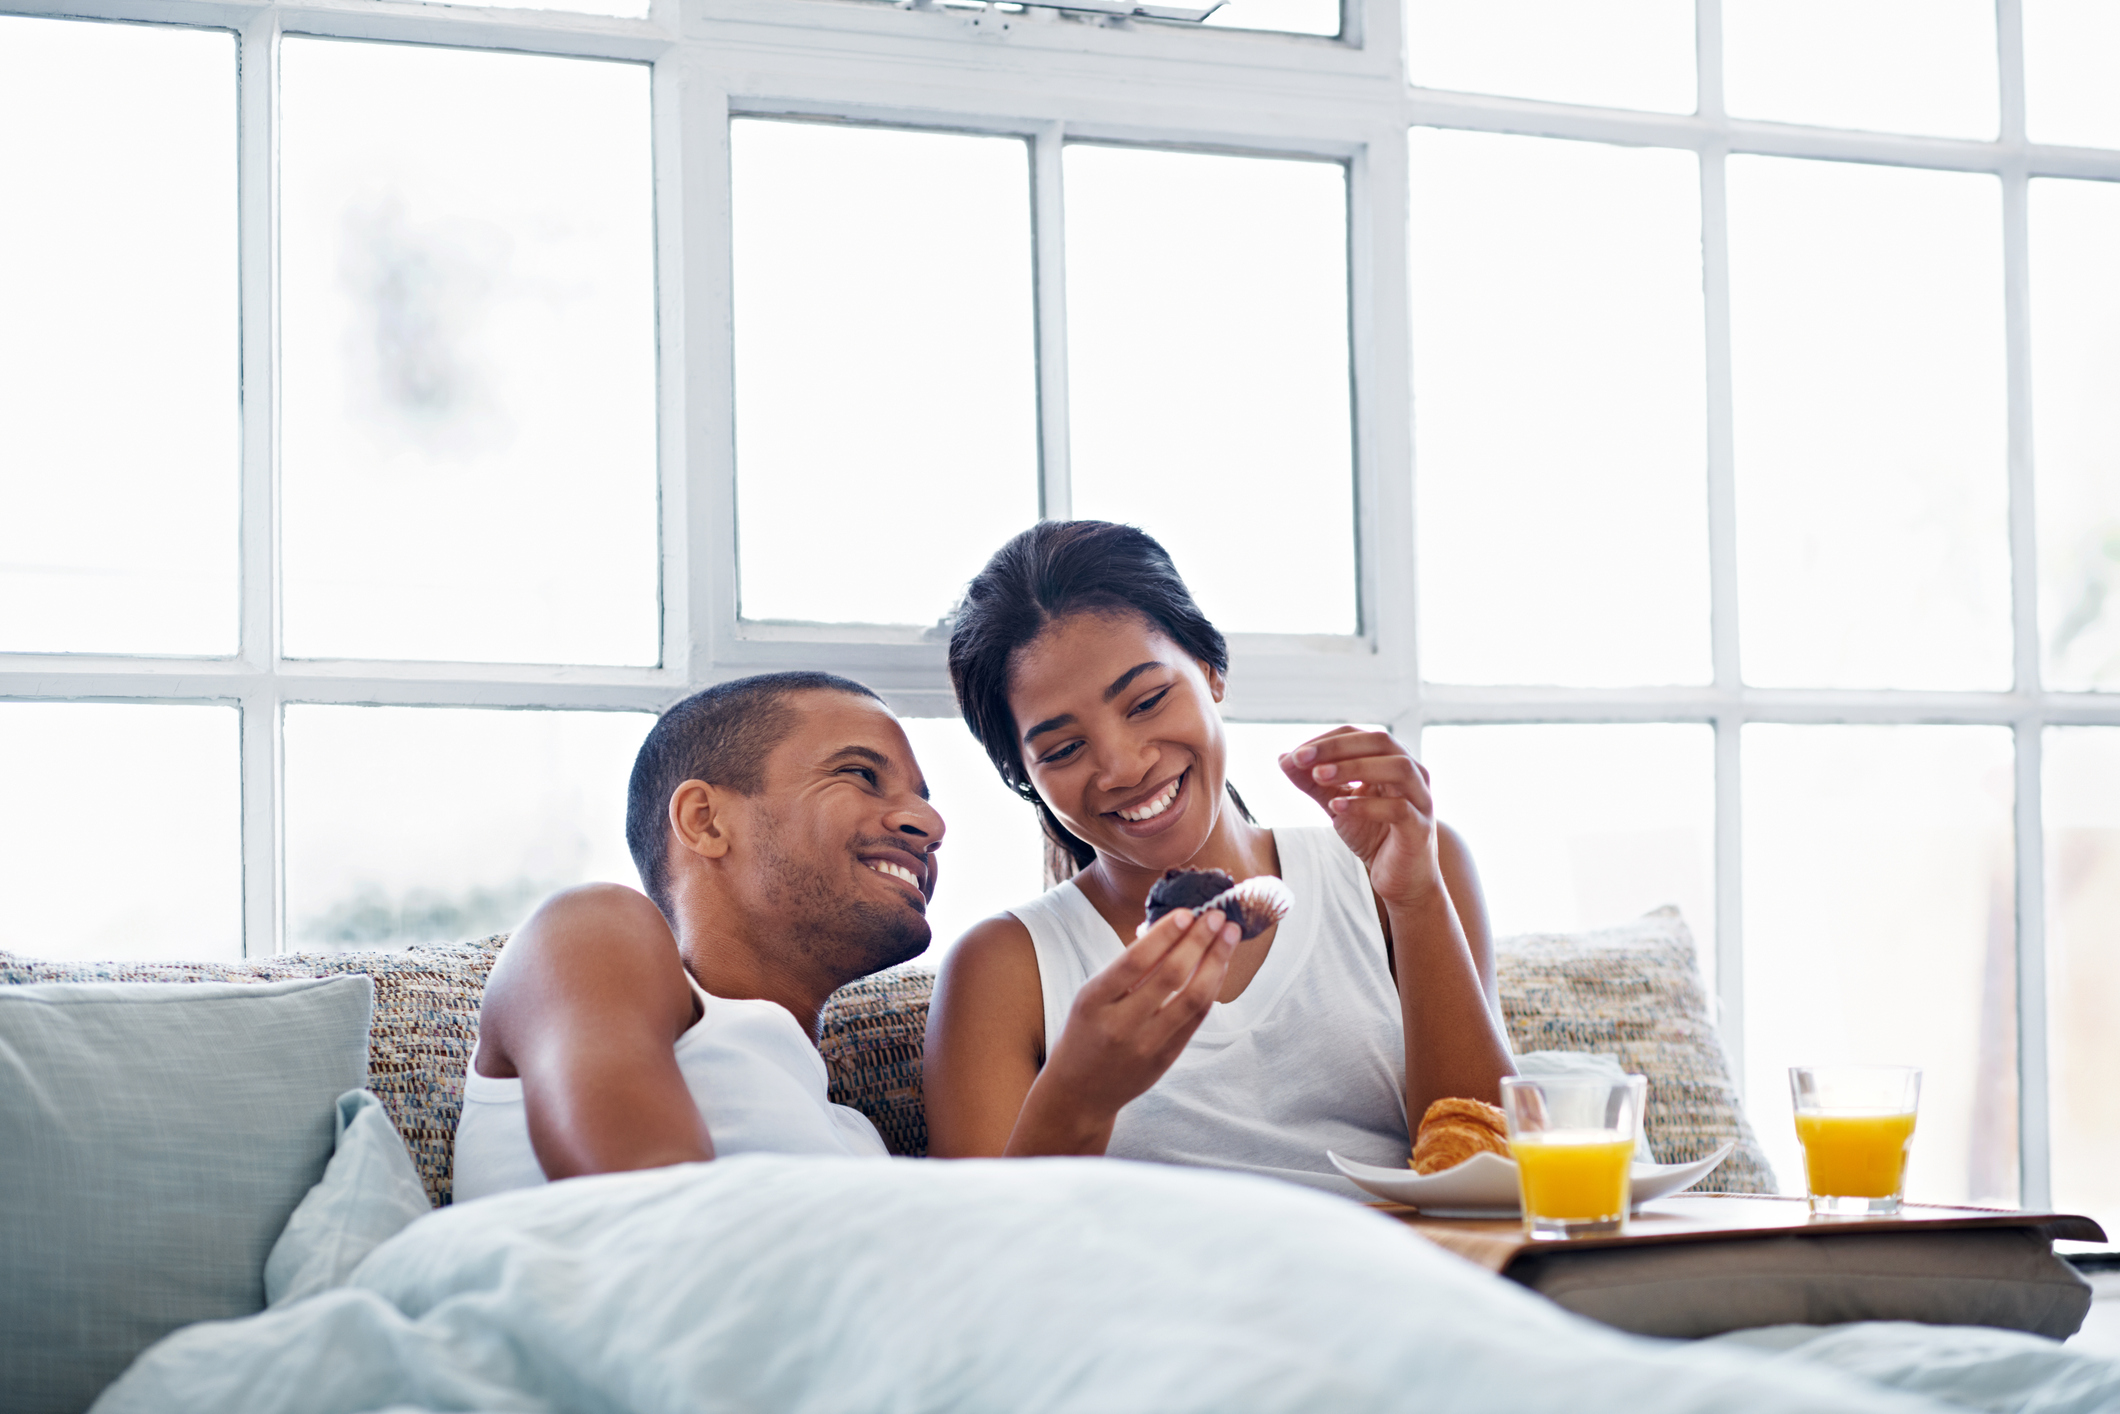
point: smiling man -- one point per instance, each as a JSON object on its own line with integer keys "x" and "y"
{"x": 783, "y": 834}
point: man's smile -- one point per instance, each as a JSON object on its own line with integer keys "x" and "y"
{"x": 915, "y": 873}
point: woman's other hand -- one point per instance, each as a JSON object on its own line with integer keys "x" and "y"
{"x": 1377, "y": 796}
{"x": 1128, "y": 1025}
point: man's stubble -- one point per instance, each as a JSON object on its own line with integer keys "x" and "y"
{"x": 846, "y": 935}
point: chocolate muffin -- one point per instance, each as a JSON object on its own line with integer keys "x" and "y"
{"x": 1254, "y": 905}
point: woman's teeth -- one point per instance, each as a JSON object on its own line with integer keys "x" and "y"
{"x": 895, "y": 871}
{"x": 1153, "y": 808}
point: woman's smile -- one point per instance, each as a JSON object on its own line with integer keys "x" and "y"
{"x": 1158, "y": 812}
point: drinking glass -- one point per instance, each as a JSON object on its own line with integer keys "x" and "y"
{"x": 1856, "y": 1123}
{"x": 1573, "y": 1141}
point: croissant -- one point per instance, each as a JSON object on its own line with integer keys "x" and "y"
{"x": 1453, "y": 1131}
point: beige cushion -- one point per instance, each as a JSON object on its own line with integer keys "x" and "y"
{"x": 1630, "y": 992}
{"x": 872, "y": 1034}
{"x": 1635, "y": 993}
{"x": 2009, "y": 1278}
{"x": 419, "y": 1043}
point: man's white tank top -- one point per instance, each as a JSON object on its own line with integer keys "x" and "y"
{"x": 1311, "y": 1057}
{"x": 759, "y": 1084}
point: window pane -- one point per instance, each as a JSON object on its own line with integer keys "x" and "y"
{"x": 1576, "y": 826}
{"x": 468, "y": 317}
{"x": 1559, "y": 434}
{"x": 1288, "y": 16}
{"x": 2075, "y": 228}
{"x": 992, "y": 850}
{"x": 2082, "y": 793}
{"x": 1611, "y": 53}
{"x": 122, "y": 837}
{"x": 2071, "y": 51}
{"x": 1867, "y": 353}
{"x": 886, "y": 386}
{"x": 1896, "y": 66}
{"x": 119, "y": 407}
{"x": 1208, "y": 376}
{"x": 1880, "y": 928}
{"x": 419, "y": 824}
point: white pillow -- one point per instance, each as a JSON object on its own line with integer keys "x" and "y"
{"x": 369, "y": 1193}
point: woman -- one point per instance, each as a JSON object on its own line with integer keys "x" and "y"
{"x": 1083, "y": 666}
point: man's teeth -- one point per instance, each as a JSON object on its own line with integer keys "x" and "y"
{"x": 1154, "y": 807}
{"x": 896, "y": 871}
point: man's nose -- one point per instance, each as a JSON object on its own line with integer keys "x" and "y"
{"x": 921, "y": 822}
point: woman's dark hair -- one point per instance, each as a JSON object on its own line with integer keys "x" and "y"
{"x": 1055, "y": 569}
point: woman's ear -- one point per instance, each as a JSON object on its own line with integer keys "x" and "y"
{"x": 699, "y": 819}
{"x": 1215, "y": 683}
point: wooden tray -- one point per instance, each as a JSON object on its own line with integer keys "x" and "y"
{"x": 1724, "y": 1217}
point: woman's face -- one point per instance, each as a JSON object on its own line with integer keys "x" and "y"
{"x": 1120, "y": 735}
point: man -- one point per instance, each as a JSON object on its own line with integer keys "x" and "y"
{"x": 783, "y": 833}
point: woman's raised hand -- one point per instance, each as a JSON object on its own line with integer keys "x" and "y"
{"x": 1127, "y": 1026}
{"x": 1377, "y": 796}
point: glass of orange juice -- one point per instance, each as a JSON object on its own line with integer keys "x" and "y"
{"x": 1573, "y": 1141}
{"x": 1856, "y": 1123}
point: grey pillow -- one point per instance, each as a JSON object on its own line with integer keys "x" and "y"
{"x": 153, "y": 1141}
{"x": 2005, "y": 1277}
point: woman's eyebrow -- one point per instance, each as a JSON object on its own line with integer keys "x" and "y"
{"x": 1119, "y": 684}
{"x": 1049, "y": 724}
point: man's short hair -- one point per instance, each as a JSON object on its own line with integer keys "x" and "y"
{"x": 721, "y": 736}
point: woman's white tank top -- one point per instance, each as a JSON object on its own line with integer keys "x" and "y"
{"x": 1311, "y": 1057}
{"x": 759, "y": 1084}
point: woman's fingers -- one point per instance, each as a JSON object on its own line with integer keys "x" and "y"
{"x": 1149, "y": 947}
{"x": 1169, "y": 975}
{"x": 1343, "y": 742}
{"x": 1378, "y": 809}
{"x": 1378, "y": 775}
{"x": 1183, "y": 1010}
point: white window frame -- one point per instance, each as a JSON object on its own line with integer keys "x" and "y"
{"x": 1051, "y": 79}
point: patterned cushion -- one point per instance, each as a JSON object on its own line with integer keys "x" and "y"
{"x": 1632, "y": 992}
{"x": 1635, "y": 992}
{"x": 425, "y": 1024}
{"x": 872, "y": 1033}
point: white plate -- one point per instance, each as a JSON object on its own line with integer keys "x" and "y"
{"x": 1484, "y": 1186}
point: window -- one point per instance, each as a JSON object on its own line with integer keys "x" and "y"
{"x": 1694, "y": 435}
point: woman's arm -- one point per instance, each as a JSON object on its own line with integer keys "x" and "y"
{"x": 1462, "y": 880}
{"x": 990, "y": 1085}
{"x": 1377, "y": 796}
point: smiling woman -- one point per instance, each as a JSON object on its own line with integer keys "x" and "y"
{"x": 1091, "y": 677}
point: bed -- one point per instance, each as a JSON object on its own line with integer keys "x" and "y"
{"x": 238, "y": 1200}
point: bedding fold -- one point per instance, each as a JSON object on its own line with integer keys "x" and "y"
{"x": 820, "y": 1284}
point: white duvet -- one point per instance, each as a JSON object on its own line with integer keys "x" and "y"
{"x": 808, "y": 1284}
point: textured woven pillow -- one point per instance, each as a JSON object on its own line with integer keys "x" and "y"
{"x": 425, "y": 1024}
{"x": 872, "y": 1033}
{"x": 1634, "y": 992}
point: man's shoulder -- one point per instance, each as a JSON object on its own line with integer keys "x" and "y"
{"x": 594, "y": 955}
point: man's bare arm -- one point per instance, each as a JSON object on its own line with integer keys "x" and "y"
{"x": 585, "y": 1006}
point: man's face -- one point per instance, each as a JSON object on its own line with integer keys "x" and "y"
{"x": 844, "y": 837}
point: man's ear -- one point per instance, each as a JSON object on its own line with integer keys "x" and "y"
{"x": 700, "y": 819}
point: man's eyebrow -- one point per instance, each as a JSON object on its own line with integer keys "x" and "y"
{"x": 1119, "y": 684}
{"x": 874, "y": 758}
